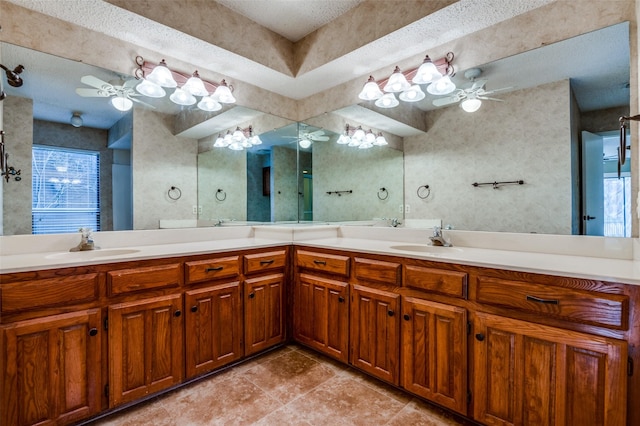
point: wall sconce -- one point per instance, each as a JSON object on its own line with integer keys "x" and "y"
{"x": 13, "y": 78}
{"x": 357, "y": 137}
{"x": 437, "y": 75}
{"x": 238, "y": 140}
{"x": 76, "y": 119}
{"x": 6, "y": 170}
{"x": 155, "y": 78}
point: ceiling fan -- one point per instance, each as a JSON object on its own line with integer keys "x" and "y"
{"x": 122, "y": 92}
{"x": 470, "y": 97}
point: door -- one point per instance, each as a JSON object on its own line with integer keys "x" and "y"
{"x": 213, "y": 326}
{"x": 321, "y": 315}
{"x": 52, "y": 369}
{"x": 592, "y": 184}
{"x": 145, "y": 347}
{"x": 375, "y": 332}
{"x": 531, "y": 374}
{"x": 434, "y": 352}
{"x": 264, "y": 315}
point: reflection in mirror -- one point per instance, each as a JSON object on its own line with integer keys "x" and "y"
{"x": 531, "y": 133}
{"x": 47, "y": 112}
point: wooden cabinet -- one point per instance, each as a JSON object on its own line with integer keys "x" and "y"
{"x": 532, "y": 374}
{"x": 375, "y": 331}
{"x": 434, "y": 352}
{"x": 321, "y": 315}
{"x": 214, "y": 326}
{"x": 264, "y": 312}
{"x": 51, "y": 369}
{"x": 145, "y": 347}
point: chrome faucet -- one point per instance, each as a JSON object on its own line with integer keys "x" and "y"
{"x": 86, "y": 241}
{"x": 437, "y": 239}
{"x": 395, "y": 222}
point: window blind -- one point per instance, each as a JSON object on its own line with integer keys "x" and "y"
{"x": 65, "y": 190}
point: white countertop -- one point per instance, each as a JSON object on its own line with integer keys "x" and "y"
{"x": 572, "y": 256}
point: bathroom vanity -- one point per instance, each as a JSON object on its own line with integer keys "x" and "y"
{"x": 499, "y": 341}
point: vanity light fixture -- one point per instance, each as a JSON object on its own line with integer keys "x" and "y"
{"x": 238, "y": 140}
{"x": 155, "y": 78}
{"x": 76, "y": 119}
{"x": 356, "y": 137}
{"x": 471, "y": 104}
{"x": 436, "y": 75}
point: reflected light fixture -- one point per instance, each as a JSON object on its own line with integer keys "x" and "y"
{"x": 305, "y": 143}
{"x": 238, "y": 140}
{"x": 357, "y": 137}
{"x": 187, "y": 87}
{"x": 436, "y": 75}
{"x": 76, "y": 119}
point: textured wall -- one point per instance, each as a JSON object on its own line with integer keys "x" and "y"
{"x": 339, "y": 168}
{"x": 18, "y": 126}
{"x": 284, "y": 184}
{"x": 222, "y": 168}
{"x": 525, "y": 137}
{"x": 160, "y": 161}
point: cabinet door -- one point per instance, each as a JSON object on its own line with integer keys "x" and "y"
{"x": 263, "y": 309}
{"x": 145, "y": 347}
{"x": 321, "y": 315}
{"x": 434, "y": 352}
{"x": 213, "y": 325}
{"x": 531, "y": 374}
{"x": 375, "y": 332}
{"x": 52, "y": 369}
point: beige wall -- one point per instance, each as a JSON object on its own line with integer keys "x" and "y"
{"x": 161, "y": 160}
{"x": 525, "y": 137}
{"x": 222, "y": 168}
{"x": 364, "y": 171}
{"x": 18, "y": 126}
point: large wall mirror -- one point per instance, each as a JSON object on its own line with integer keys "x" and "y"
{"x": 533, "y": 133}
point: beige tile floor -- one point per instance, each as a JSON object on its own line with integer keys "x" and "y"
{"x": 289, "y": 386}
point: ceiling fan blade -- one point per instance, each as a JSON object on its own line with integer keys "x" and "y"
{"x": 130, "y": 84}
{"x": 445, "y": 101}
{"x": 142, "y": 103}
{"x": 320, "y": 138}
{"x": 486, "y": 98}
{"x": 88, "y": 93}
{"x": 92, "y": 81}
{"x": 478, "y": 84}
{"x": 489, "y": 92}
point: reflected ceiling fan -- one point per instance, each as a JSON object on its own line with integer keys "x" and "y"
{"x": 471, "y": 98}
{"x": 121, "y": 92}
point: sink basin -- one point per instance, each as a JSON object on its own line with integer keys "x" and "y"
{"x": 91, "y": 254}
{"x": 427, "y": 249}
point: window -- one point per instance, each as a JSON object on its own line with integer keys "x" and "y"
{"x": 617, "y": 206}
{"x": 65, "y": 191}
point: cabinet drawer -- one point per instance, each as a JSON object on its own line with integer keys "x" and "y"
{"x": 264, "y": 261}
{"x": 331, "y": 263}
{"x": 449, "y": 283}
{"x": 588, "y": 307}
{"x": 49, "y": 292}
{"x": 377, "y": 270}
{"x": 212, "y": 269}
{"x": 145, "y": 278}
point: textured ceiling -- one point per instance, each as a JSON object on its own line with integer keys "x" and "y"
{"x": 292, "y": 19}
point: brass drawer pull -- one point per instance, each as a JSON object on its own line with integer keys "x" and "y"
{"x": 540, "y": 300}
{"x": 214, "y": 268}
{"x": 320, "y": 262}
{"x": 266, "y": 262}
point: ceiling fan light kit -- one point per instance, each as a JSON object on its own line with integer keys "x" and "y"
{"x": 76, "y": 119}
{"x": 437, "y": 75}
